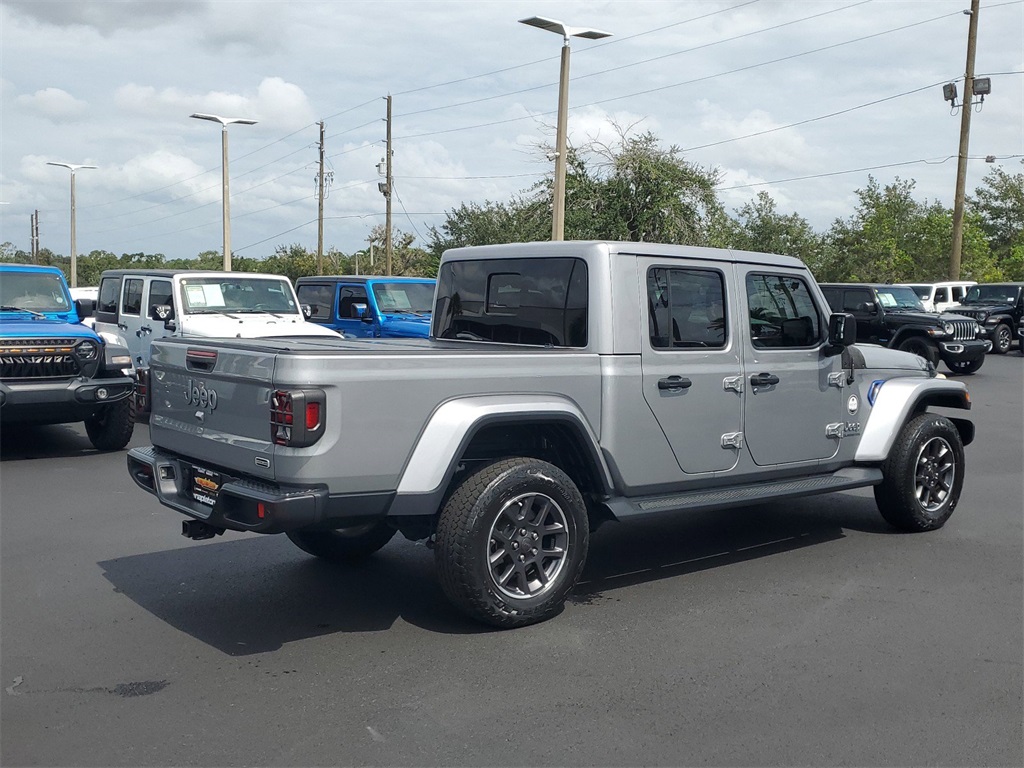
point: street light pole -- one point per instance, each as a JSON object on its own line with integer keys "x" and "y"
{"x": 74, "y": 254}
{"x": 558, "y": 193}
{"x": 225, "y": 195}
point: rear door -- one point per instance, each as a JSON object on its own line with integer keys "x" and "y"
{"x": 796, "y": 403}
{"x": 692, "y": 372}
{"x": 131, "y": 315}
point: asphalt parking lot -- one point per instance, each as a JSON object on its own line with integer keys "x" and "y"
{"x": 806, "y": 633}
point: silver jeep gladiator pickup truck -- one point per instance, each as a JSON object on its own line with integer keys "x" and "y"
{"x": 564, "y": 384}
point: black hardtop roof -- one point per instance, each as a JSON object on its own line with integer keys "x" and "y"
{"x": 865, "y": 285}
{"x": 362, "y": 278}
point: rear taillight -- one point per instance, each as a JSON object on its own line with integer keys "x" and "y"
{"x": 297, "y": 416}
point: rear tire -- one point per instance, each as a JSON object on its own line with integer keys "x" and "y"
{"x": 112, "y": 427}
{"x": 921, "y": 347}
{"x": 511, "y": 542}
{"x": 345, "y": 544}
{"x": 923, "y": 475}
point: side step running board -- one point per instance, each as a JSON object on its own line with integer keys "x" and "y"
{"x": 738, "y": 496}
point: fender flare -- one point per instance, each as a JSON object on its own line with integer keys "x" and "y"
{"x": 451, "y": 427}
{"x": 897, "y": 400}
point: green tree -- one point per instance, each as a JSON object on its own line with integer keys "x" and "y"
{"x": 759, "y": 227}
{"x": 999, "y": 206}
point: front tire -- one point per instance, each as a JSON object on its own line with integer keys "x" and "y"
{"x": 345, "y": 544}
{"x": 112, "y": 427}
{"x": 511, "y": 542}
{"x": 965, "y": 366}
{"x": 923, "y": 475}
{"x": 1002, "y": 339}
{"x": 921, "y": 347}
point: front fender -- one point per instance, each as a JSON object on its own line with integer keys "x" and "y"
{"x": 896, "y": 400}
{"x": 451, "y": 427}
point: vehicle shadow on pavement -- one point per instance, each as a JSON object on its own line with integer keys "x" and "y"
{"x": 50, "y": 441}
{"x": 247, "y": 595}
{"x": 626, "y": 554}
{"x": 251, "y": 594}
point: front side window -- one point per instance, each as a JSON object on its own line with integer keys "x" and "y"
{"x": 686, "y": 308}
{"x": 352, "y": 301}
{"x": 782, "y": 312}
{"x": 537, "y": 301}
{"x": 160, "y": 293}
{"x": 131, "y": 303}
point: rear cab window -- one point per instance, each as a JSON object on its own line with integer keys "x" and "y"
{"x": 513, "y": 301}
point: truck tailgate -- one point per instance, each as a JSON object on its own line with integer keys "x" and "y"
{"x": 206, "y": 402}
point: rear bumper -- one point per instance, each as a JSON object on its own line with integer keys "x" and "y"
{"x": 56, "y": 402}
{"x": 249, "y": 504}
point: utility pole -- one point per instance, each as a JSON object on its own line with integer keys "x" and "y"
{"x": 320, "y": 208}
{"x": 965, "y": 139}
{"x": 387, "y": 196}
{"x": 34, "y": 237}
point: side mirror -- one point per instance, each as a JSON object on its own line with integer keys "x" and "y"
{"x": 360, "y": 311}
{"x": 842, "y": 330}
{"x": 85, "y": 307}
{"x": 308, "y": 310}
{"x": 162, "y": 312}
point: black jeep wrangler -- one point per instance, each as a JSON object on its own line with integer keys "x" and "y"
{"x": 998, "y": 308}
{"x": 893, "y": 316}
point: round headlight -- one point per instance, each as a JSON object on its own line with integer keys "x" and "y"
{"x": 86, "y": 350}
{"x": 982, "y": 317}
{"x": 948, "y": 328}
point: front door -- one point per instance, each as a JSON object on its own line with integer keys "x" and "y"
{"x": 796, "y": 404}
{"x": 691, "y": 363}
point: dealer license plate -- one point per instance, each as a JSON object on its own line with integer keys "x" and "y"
{"x": 205, "y": 485}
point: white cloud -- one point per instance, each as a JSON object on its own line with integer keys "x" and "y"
{"x": 103, "y": 15}
{"x": 54, "y": 104}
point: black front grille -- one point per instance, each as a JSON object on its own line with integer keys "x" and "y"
{"x": 964, "y": 330}
{"x": 22, "y": 359}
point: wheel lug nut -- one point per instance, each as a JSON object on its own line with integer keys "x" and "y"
{"x": 515, "y": 545}
{"x": 534, "y": 535}
{"x": 522, "y": 531}
{"x": 522, "y": 558}
{"x": 533, "y": 551}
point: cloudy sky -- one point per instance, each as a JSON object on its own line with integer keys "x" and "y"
{"x": 800, "y": 98}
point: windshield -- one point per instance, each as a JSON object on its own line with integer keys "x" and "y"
{"x": 33, "y": 291}
{"x": 897, "y": 297}
{"x": 238, "y": 295}
{"x": 924, "y": 292}
{"x": 401, "y": 298}
{"x": 992, "y": 294}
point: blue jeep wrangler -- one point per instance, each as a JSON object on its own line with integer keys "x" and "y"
{"x": 53, "y": 368}
{"x": 366, "y": 306}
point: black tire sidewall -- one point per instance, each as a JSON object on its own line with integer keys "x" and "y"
{"x": 111, "y": 429}
{"x": 464, "y": 536}
{"x": 896, "y": 497}
{"x": 1002, "y": 331}
{"x": 917, "y": 345}
{"x": 344, "y": 545}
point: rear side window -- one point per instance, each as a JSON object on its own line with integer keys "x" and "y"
{"x": 513, "y": 301}
{"x": 686, "y": 308}
{"x": 131, "y": 303}
{"x": 782, "y": 312}
{"x": 110, "y": 290}
{"x": 320, "y": 298}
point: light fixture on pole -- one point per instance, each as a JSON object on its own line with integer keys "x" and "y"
{"x": 74, "y": 254}
{"x": 225, "y": 197}
{"x": 551, "y": 25}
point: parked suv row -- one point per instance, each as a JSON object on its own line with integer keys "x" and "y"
{"x": 893, "y": 316}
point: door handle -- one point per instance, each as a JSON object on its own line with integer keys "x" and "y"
{"x": 764, "y": 379}
{"x": 122, "y": 326}
{"x": 674, "y": 382}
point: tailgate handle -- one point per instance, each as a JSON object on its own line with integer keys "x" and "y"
{"x": 200, "y": 359}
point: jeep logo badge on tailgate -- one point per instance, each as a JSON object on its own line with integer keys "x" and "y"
{"x": 198, "y": 394}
